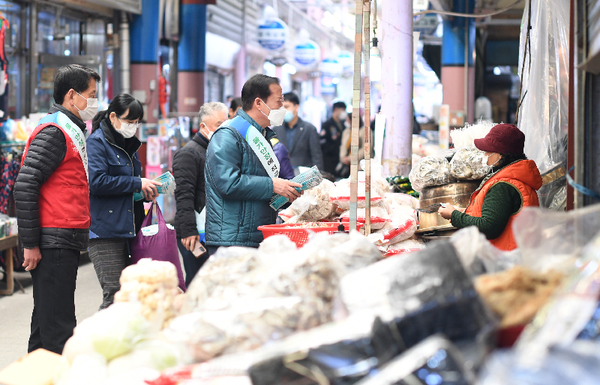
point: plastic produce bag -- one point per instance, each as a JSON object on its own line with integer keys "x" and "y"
{"x": 479, "y": 256}
{"x": 339, "y": 354}
{"x": 576, "y": 364}
{"x": 154, "y": 285}
{"x": 161, "y": 246}
{"x": 243, "y": 297}
{"x": 400, "y": 199}
{"x": 465, "y": 137}
{"x": 248, "y": 324}
{"x": 433, "y": 361}
{"x": 430, "y": 171}
{"x": 553, "y": 240}
{"x": 340, "y": 195}
{"x": 425, "y": 292}
{"x": 568, "y": 316}
{"x": 468, "y": 164}
{"x": 402, "y": 226}
{"x": 314, "y": 204}
{"x": 379, "y": 217}
{"x": 405, "y": 247}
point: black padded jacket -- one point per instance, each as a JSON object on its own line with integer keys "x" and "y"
{"x": 46, "y": 152}
{"x": 190, "y": 196}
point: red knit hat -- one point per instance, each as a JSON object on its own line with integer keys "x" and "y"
{"x": 502, "y": 139}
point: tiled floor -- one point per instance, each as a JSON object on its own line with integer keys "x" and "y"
{"x": 15, "y": 311}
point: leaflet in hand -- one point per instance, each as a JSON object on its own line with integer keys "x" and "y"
{"x": 167, "y": 188}
{"x": 307, "y": 179}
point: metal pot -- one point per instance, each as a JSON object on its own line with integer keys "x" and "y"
{"x": 457, "y": 194}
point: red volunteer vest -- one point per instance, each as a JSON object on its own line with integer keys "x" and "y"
{"x": 64, "y": 200}
{"x": 525, "y": 176}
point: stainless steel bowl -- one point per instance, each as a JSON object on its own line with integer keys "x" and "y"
{"x": 457, "y": 194}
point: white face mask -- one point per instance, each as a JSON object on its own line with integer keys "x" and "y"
{"x": 128, "y": 130}
{"x": 343, "y": 116}
{"x": 90, "y": 111}
{"x": 276, "y": 117}
{"x": 208, "y": 134}
{"x": 484, "y": 159}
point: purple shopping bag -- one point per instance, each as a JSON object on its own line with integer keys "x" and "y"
{"x": 161, "y": 246}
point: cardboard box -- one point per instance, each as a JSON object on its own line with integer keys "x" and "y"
{"x": 37, "y": 368}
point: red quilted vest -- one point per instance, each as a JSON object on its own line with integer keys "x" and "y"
{"x": 64, "y": 200}
{"x": 525, "y": 176}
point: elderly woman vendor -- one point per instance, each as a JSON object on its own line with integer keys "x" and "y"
{"x": 510, "y": 185}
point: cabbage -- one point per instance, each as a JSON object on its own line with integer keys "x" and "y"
{"x": 111, "y": 332}
{"x": 155, "y": 354}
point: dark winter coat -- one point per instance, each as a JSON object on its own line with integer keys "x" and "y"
{"x": 188, "y": 170}
{"x": 331, "y": 139}
{"x": 45, "y": 154}
{"x": 238, "y": 189}
{"x": 305, "y": 149}
{"x": 115, "y": 175}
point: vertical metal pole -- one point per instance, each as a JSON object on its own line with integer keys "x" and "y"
{"x": 355, "y": 115}
{"x": 367, "y": 145}
{"x": 579, "y": 103}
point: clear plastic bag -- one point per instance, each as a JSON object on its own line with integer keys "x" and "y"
{"x": 430, "y": 171}
{"x": 243, "y": 298}
{"x": 553, "y": 240}
{"x": 396, "y": 287}
{"x": 544, "y": 72}
{"x": 314, "y": 204}
{"x": 577, "y": 364}
{"x": 479, "y": 256}
{"x": 467, "y": 164}
{"x": 402, "y": 226}
{"x": 379, "y": 217}
{"x": 405, "y": 247}
{"x": 465, "y": 137}
{"x": 433, "y": 361}
{"x": 340, "y": 195}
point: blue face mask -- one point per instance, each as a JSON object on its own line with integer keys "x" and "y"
{"x": 289, "y": 116}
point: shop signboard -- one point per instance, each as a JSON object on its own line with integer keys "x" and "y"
{"x": 346, "y": 60}
{"x": 420, "y": 5}
{"x": 330, "y": 67}
{"x": 272, "y": 34}
{"x": 426, "y": 24}
{"x": 307, "y": 53}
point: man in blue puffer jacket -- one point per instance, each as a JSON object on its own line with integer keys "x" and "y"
{"x": 242, "y": 172}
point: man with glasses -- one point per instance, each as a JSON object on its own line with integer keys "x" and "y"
{"x": 242, "y": 171}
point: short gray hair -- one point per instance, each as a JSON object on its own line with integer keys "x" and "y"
{"x": 210, "y": 108}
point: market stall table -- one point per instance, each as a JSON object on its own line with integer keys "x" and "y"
{"x": 7, "y": 243}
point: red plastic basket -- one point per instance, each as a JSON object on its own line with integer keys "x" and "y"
{"x": 297, "y": 232}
